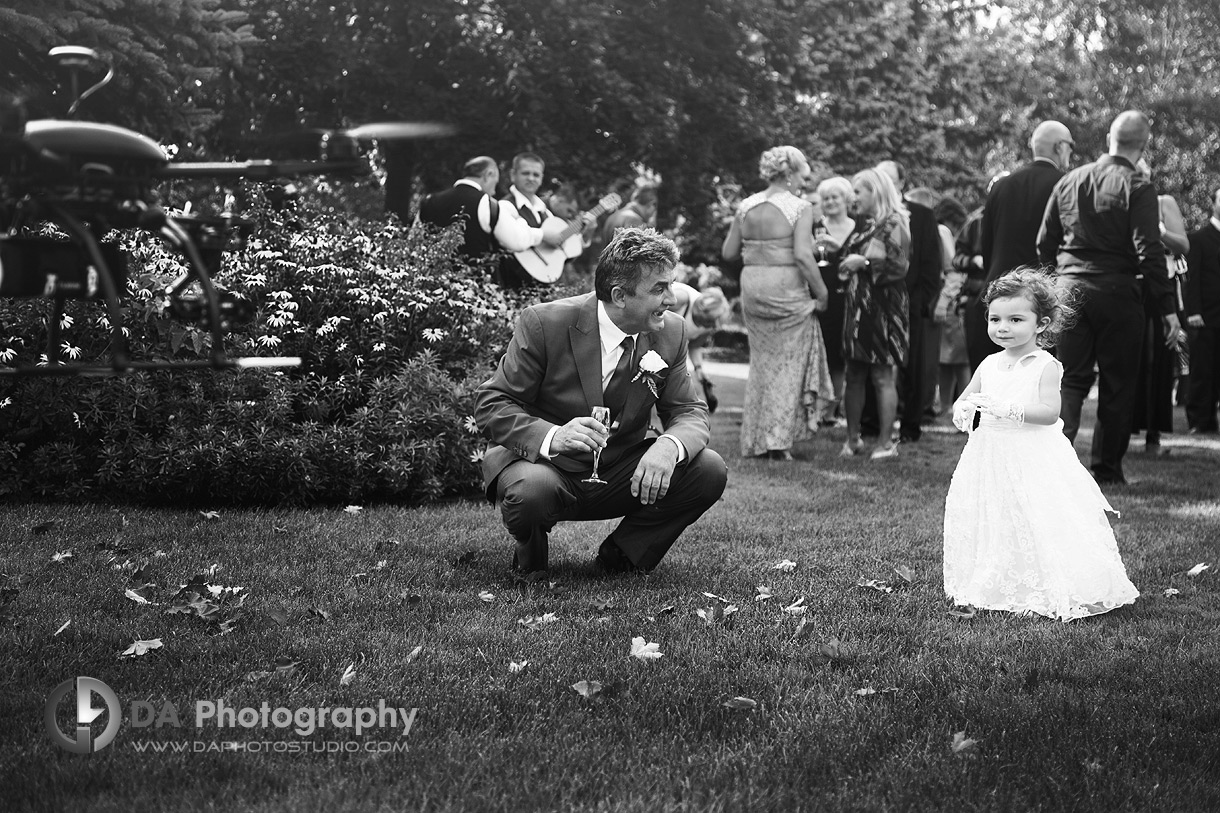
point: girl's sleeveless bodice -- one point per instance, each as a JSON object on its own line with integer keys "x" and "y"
{"x": 1018, "y": 385}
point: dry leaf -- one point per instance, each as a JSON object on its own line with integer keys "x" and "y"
{"x": 382, "y": 564}
{"x": 905, "y": 573}
{"x": 832, "y": 649}
{"x": 414, "y": 653}
{"x": 285, "y": 666}
{"x": 278, "y": 616}
{"x": 716, "y": 597}
{"x": 797, "y": 607}
{"x": 44, "y": 527}
{"x": 516, "y": 666}
{"x": 764, "y": 593}
{"x": 486, "y": 596}
{"x": 966, "y": 614}
{"x": 140, "y": 647}
{"x": 253, "y": 676}
{"x": 601, "y": 605}
{"x": 587, "y": 688}
{"x": 349, "y": 674}
{"x": 64, "y": 627}
{"x": 534, "y": 622}
{"x": 740, "y": 704}
{"x": 666, "y": 610}
{"x": 786, "y": 566}
{"x": 866, "y": 691}
{"x": 353, "y": 509}
{"x": 963, "y": 745}
{"x": 875, "y": 584}
{"x": 803, "y": 629}
{"x": 645, "y": 651}
{"x": 61, "y": 556}
{"x": 1197, "y": 569}
{"x": 210, "y": 516}
{"x": 136, "y": 597}
{"x": 1171, "y": 591}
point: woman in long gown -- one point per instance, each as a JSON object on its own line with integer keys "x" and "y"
{"x": 781, "y": 294}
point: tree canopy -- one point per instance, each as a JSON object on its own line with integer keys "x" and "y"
{"x": 688, "y": 90}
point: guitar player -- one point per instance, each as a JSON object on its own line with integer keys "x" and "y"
{"x": 527, "y": 174}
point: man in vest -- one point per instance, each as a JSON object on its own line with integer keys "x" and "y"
{"x": 527, "y": 174}
{"x": 490, "y": 225}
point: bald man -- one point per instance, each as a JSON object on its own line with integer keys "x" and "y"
{"x": 1102, "y": 231}
{"x": 1012, "y": 216}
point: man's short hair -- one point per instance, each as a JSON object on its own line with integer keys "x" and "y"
{"x": 645, "y": 196}
{"x": 1130, "y": 130}
{"x": 522, "y": 157}
{"x": 475, "y": 167}
{"x": 627, "y": 255}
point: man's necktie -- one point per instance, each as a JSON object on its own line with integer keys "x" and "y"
{"x": 616, "y": 391}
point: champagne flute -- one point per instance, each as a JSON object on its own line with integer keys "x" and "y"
{"x": 600, "y": 414}
{"x": 819, "y": 245}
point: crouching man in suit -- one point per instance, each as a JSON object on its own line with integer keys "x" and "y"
{"x": 618, "y": 347}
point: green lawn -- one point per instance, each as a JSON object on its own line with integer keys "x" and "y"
{"x": 856, "y": 711}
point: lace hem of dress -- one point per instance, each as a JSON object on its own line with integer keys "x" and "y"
{"x": 1073, "y": 612}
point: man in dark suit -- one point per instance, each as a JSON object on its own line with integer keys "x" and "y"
{"x": 924, "y": 280}
{"x": 1012, "y": 216}
{"x": 1202, "y": 311}
{"x": 619, "y": 347}
{"x": 1102, "y": 231}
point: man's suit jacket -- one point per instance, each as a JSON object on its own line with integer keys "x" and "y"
{"x": 925, "y": 273}
{"x": 1202, "y": 290}
{"x": 1012, "y": 217}
{"x": 551, "y": 373}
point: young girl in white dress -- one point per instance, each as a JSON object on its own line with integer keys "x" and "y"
{"x": 1025, "y": 523}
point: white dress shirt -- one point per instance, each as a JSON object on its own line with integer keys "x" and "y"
{"x": 511, "y": 232}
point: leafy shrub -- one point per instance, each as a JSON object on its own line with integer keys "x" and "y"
{"x": 394, "y": 334}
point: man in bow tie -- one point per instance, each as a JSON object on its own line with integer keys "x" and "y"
{"x": 618, "y": 347}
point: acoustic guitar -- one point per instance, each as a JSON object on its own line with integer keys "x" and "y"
{"x": 562, "y": 241}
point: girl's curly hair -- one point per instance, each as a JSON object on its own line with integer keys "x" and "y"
{"x": 1049, "y": 297}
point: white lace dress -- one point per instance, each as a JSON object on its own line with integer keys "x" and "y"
{"x": 1025, "y": 523}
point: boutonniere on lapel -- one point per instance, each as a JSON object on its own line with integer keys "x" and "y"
{"x": 651, "y": 366}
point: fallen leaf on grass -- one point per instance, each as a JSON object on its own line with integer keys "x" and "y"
{"x": 668, "y": 609}
{"x": 764, "y": 593}
{"x": 797, "y": 607}
{"x": 349, "y": 674}
{"x": 44, "y": 527}
{"x": 740, "y": 704}
{"x": 210, "y": 516}
{"x": 320, "y": 613}
{"x": 253, "y": 676}
{"x": 285, "y": 666}
{"x": 466, "y": 558}
{"x": 786, "y": 566}
{"x": 278, "y": 616}
{"x": 1197, "y": 569}
{"x": 409, "y": 597}
{"x": 966, "y": 614}
{"x": 905, "y": 573}
{"x": 645, "y": 651}
{"x": 136, "y": 597}
{"x": 803, "y": 629}
{"x": 1170, "y": 592}
{"x": 61, "y": 556}
{"x": 353, "y": 509}
{"x": 601, "y": 605}
{"x": 875, "y": 584}
{"x": 865, "y": 692}
{"x": 413, "y": 654}
{"x": 140, "y": 647}
{"x": 715, "y": 614}
{"x": 832, "y": 649}
{"x": 382, "y": 564}
{"x": 962, "y": 745}
{"x": 487, "y": 596}
{"x": 64, "y": 627}
{"x": 721, "y": 599}
{"x": 516, "y": 666}
{"x": 534, "y": 622}
{"x": 587, "y": 688}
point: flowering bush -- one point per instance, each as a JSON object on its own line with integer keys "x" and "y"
{"x": 394, "y": 334}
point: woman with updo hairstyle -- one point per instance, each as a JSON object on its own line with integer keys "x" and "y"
{"x": 781, "y": 295}
{"x": 876, "y": 323}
